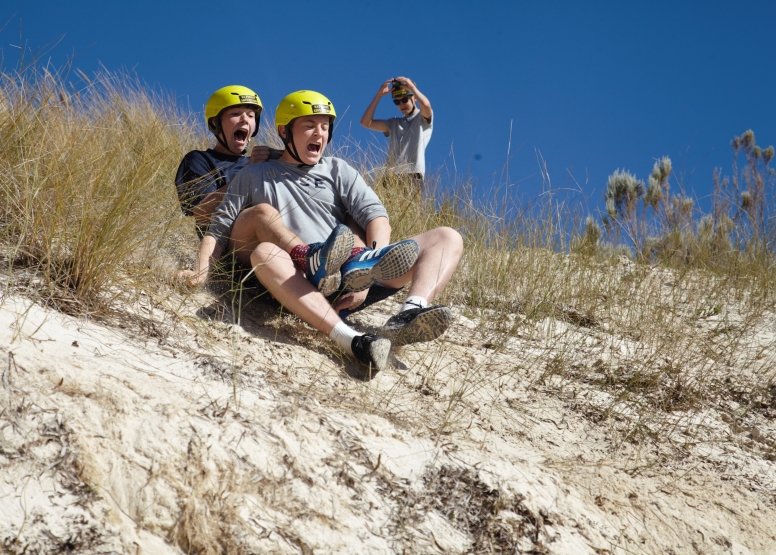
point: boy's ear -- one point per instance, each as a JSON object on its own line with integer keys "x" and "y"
{"x": 282, "y": 131}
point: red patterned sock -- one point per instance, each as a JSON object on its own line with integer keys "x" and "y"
{"x": 355, "y": 251}
{"x": 299, "y": 256}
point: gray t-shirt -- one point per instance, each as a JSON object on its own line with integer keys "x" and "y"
{"x": 409, "y": 136}
{"x": 311, "y": 200}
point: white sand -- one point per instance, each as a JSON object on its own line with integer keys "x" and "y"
{"x": 130, "y": 440}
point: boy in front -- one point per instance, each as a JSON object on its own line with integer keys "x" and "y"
{"x": 284, "y": 216}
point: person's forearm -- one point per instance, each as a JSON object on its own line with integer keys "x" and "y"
{"x": 378, "y": 232}
{"x": 423, "y": 104}
{"x": 369, "y": 115}
{"x": 209, "y": 203}
{"x": 208, "y": 249}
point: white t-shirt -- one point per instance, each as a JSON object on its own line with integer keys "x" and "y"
{"x": 408, "y": 136}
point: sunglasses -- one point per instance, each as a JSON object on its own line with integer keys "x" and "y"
{"x": 404, "y": 100}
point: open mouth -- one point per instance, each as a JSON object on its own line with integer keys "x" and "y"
{"x": 313, "y": 148}
{"x": 241, "y": 135}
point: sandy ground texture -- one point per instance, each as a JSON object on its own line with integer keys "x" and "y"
{"x": 161, "y": 431}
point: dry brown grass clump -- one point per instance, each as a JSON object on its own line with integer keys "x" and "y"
{"x": 85, "y": 182}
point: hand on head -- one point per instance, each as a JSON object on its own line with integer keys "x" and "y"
{"x": 406, "y": 83}
{"x": 385, "y": 88}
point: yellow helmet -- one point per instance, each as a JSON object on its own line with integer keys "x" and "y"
{"x": 226, "y": 97}
{"x": 302, "y": 103}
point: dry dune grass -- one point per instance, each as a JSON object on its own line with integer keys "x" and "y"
{"x": 82, "y": 174}
{"x": 667, "y": 359}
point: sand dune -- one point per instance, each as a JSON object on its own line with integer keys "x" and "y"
{"x": 150, "y": 432}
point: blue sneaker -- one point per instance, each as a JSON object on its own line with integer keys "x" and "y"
{"x": 325, "y": 259}
{"x": 373, "y": 265}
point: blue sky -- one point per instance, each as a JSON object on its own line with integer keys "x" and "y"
{"x": 592, "y": 86}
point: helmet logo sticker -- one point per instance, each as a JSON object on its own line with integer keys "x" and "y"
{"x": 249, "y": 99}
{"x": 321, "y": 108}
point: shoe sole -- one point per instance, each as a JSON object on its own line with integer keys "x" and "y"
{"x": 394, "y": 264}
{"x": 379, "y": 351}
{"x": 338, "y": 255}
{"x": 424, "y": 327}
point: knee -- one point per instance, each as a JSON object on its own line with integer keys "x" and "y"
{"x": 452, "y": 240}
{"x": 266, "y": 254}
{"x": 263, "y": 212}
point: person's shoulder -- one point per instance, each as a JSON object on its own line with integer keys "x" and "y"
{"x": 337, "y": 163}
{"x": 195, "y": 156}
{"x": 266, "y": 166}
{"x": 194, "y": 164}
{"x": 340, "y": 170}
{"x": 213, "y": 159}
{"x": 260, "y": 172}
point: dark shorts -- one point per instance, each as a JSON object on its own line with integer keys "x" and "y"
{"x": 237, "y": 273}
{"x": 376, "y": 294}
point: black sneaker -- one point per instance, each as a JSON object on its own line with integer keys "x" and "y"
{"x": 417, "y": 325}
{"x": 371, "y": 352}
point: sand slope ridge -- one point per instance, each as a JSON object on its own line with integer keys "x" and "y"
{"x": 161, "y": 432}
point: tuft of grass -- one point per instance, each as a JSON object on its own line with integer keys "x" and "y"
{"x": 85, "y": 182}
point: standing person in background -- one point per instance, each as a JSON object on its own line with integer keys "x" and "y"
{"x": 233, "y": 115}
{"x": 409, "y": 134}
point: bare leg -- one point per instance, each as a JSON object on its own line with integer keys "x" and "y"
{"x": 358, "y": 233}
{"x": 277, "y": 272}
{"x": 440, "y": 251}
{"x": 261, "y": 224}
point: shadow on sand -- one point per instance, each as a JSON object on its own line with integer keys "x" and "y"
{"x": 241, "y": 300}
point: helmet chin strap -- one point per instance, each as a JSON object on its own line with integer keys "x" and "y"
{"x": 221, "y": 138}
{"x": 288, "y": 141}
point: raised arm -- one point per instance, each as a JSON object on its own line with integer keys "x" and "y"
{"x": 367, "y": 120}
{"x": 421, "y": 101}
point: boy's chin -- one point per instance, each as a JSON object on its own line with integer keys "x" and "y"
{"x": 312, "y": 158}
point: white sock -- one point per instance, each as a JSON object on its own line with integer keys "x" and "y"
{"x": 415, "y": 301}
{"x": 343, "y": 335}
